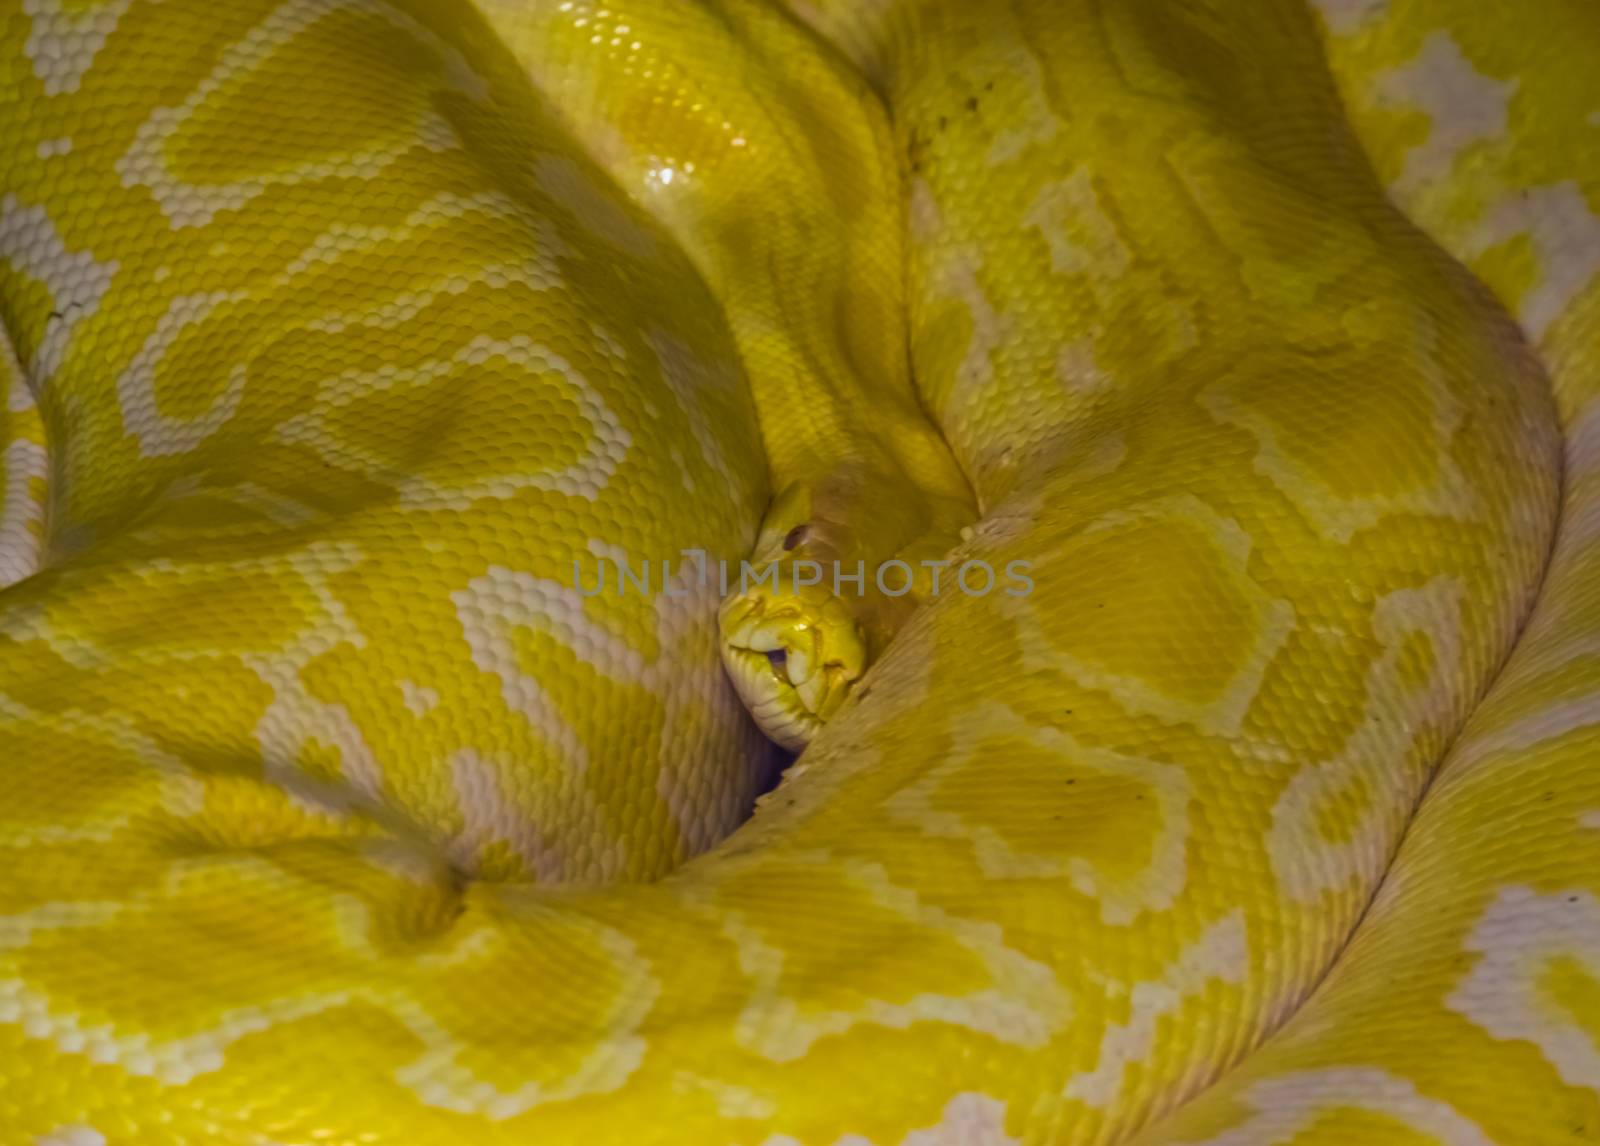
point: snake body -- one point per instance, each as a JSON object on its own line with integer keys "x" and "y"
{"x": 342, "y": 333}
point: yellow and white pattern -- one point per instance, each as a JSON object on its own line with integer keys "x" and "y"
{"x": 345, "y": 341}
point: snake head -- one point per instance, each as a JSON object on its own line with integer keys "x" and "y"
{"x": 792, "y": 648}
{"x": 809, "y": 613}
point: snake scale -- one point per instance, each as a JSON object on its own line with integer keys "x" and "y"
{"x": 343, "y": 339}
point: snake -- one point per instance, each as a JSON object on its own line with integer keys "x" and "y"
{"x": 416, "y": 726}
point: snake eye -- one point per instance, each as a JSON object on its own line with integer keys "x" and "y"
{"x": 794, "y": 537}
{"x": 778, "y": 659}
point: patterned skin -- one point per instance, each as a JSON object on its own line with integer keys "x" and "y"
{"x": 1466, "y": 1010}
{"x": 777, "y": 174}
{"x": 338, "y": 345}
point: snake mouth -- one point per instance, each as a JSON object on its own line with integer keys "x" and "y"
{"x": 792, "y": 670}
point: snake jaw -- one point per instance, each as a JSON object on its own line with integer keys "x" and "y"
{"x": 792, "y": 660}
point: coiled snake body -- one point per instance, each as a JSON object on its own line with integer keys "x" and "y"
{"x": 346, "y": 338}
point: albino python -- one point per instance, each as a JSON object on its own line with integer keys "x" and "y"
{"x": 348, "y": 342}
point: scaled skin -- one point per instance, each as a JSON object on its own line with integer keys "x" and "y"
{"x": 1286, "y": 475}
{"x": 777, "y": 171}
{"x": 1467, "y": 1007}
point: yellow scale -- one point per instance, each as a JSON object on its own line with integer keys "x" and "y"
{"x": 347, "y": 341}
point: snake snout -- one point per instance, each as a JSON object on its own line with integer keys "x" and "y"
{"x": 792, "y": 661}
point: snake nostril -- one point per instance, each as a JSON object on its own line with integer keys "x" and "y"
{"x": 795, "y": 536}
